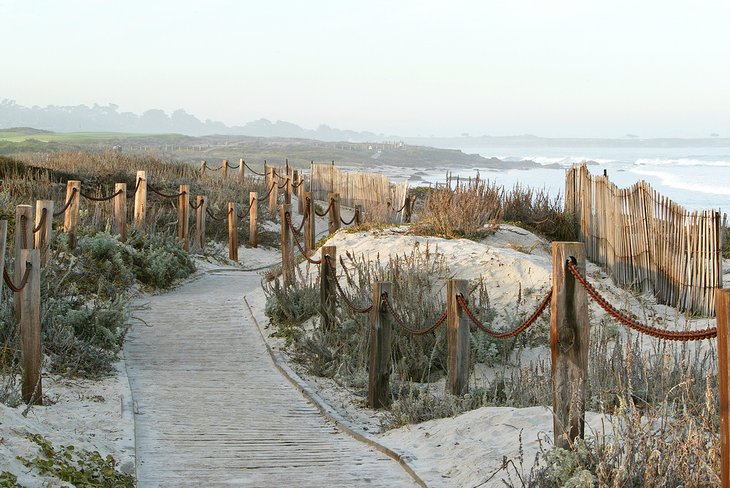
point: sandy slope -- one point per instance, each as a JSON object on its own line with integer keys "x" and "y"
{"x": 461, "y": 451}
{"x": 91, "y": 415}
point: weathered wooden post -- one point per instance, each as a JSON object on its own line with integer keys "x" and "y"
{"x": 722, "y": 311}
{"x": 274, "y": 194}
{"x": 232, "y": 232}
{"x": 569, "y": 330}
{"x": 140, "y": 200}
{"x": 71, "y": 215}
{"x": 241, "y": 170}
{"x": 183, "y": 221}
{"x": 203, "y": 165}
{"x": 252, "y": 214}
{"x": 334, "y": 215}
{"x": 120, "y": 211}
{"x": 30, "y": 325}
{"x": 3, "y": 245}
{"x": 458, "y": 338}
{"x": 224, "y": 169}
{"x": 44, "y": 226}
{"x": 287, "y": 271}
{"x": 23, "y": 240}
{"x": 407, "y": 210}
{"x": 201, "y": 205}
{"x": 299, "y": 178}
{"x": 309, "y": 225}
{"x": 328, "y": 287}
{"x": 379, "y": 353}
{"x": 287, "y": 191}
{"x": 359, "y": 214}
{"x": 268, "y": 175}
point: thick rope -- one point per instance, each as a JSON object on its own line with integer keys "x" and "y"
{"x": 23, "y": 282}
{"x": 273, "y": 184}
{"x": 287, "y": 216}
{"x": 41, "y": 221}
{"x": 103, "y": 199}
{"x": 213, "y": 169}
{"x": 68, "y": 203}
{"x": 234, "y": 167}
{"x": 512, "y": 333}
{"x": 248, "y": 211}
{"x": 401, "y": 209}
{"x": 284, "y": 185}
{"x": 164, "y": 195}
{"x": 196, "y": 207}
{"x": 252, "y": 170}
{"x": 218, "y": 219}
{"x": 344, "y": 296}
{"x": 332, "y": 204}
{"x": 136, "y": 188}
{"x": 411, "y": 330}
{"x": 351, "y": 220}
{"x": 669, "y": 335}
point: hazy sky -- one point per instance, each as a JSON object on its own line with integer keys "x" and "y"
{"x": 551, "y": 68}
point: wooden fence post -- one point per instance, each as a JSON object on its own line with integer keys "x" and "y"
{"x": 252, "y": 214}
{"x": 379, "y": 353}
{"x": 287, "y": 191}
{"x": 274, "y": 195}
{"x": 202, "y": 203}
{"x": 722, "y": 311}
{"x": 309, "y": 225}
{"x": 327, "y": 287}
{"x": 407, "y": 210}
{"x": 44, "y": 224}
{"x": 183, "y": 212}
{"x": 569, "y": 330}
{"x": 241, "y": 170}
{"x": 300, "y": 193}
{"x": 334, "y": 215}
{"x": 120, "y": 211}
{"x": 458, "y": 338}
{"x": 140, "y": 200}
{"x": 71, "y": 215}
{"x": 3, "y": 245}
{"x": 30, "y": 326}
{"x": 203, "y": 165}
{"x": 23, "y": 240}
{"x": 359, "y": 214}
{"x": 287, "y": 271}
{"x": 224, "y": 169}
{"x": 232, "y": 232}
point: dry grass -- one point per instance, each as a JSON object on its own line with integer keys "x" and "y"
{"x": 473, "y": 209}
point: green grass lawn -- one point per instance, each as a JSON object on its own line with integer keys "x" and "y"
{"x": 73, "y": 137}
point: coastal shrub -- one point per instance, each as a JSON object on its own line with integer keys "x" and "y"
{"x": 79, "y": 467}
{"x": 469, "y": 210}
{"x": 534, "y": 210}
{"x": 475, "y": 208}
{"x": 158, "y": 260}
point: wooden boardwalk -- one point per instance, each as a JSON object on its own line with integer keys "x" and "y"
{"x": 212, "y": 410}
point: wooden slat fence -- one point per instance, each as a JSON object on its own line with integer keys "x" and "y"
{"x": 647, "y": 241}
{"x": 366, "y": 189}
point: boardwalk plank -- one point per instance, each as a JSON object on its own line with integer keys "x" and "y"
{"x": 212, "y": 410}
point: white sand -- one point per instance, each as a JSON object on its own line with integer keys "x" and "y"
{"x": 461, "y": 451}
{"x": 467, "y": 450}
{"x": 90, "y": 415}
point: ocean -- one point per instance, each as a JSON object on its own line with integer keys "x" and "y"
{"x": 695, "y": 177}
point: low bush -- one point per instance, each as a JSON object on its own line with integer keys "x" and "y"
{"x": 474, "y": 209}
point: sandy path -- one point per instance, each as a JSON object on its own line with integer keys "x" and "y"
{"x": 212, "y": 410}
